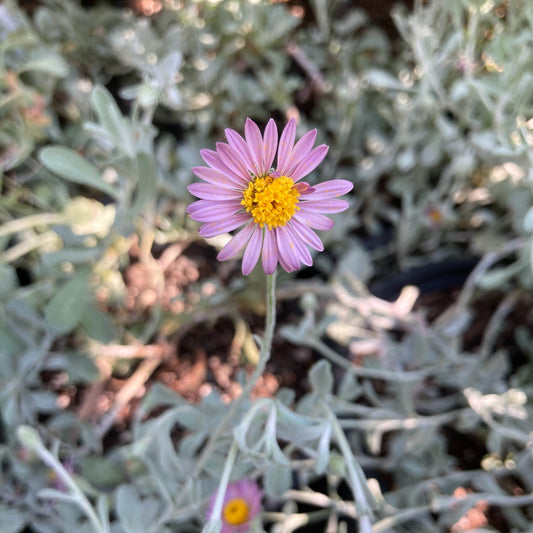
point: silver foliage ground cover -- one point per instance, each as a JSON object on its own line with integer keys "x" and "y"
{"x": 103, "y": 111}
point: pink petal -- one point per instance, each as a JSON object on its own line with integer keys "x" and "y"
{"x": 300, "y": 151}
{"x": 253, "y": 494}
{"x": 305, "y": 256}
{"x": 287, "y": 248}
{"x": 329, "y": 189}
{"x": 307, "y": 235}
{"x": 254, "y": 140}
{"x": 207, "y": 191}
{"x": 284, "y": 265}
{"x": 233, "y": 491}
{"x": 236, "y": 244}
{"x": 214, "y": 161}
{"x": 270, "y": 145}
{"x": 286, "y": 143}
{"x": 300, "y": 249}
{"x": 270, "y": 251}
{"x": 252, "y": 251}
{"x": 240, "y": 146}
{"x": 324, "y": 206}
{"x": 199, "y": 204}
{"x": 217, "y": 178}
{"x": 211, "y": 229}
{"x": 313, "y": 220}
{"x": 233, "y": 161}
{"x": 246, "y": 489}
{"x": 211, "y": 158}
{"x": 209, "y": 204}
{"x": 313, "y": 159}
{"x": 213, "y": 211}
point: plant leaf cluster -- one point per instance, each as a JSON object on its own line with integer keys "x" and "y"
{"x": 102, "y": 115}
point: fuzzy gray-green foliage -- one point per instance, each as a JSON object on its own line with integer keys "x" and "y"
{"x": 435, "y": 129}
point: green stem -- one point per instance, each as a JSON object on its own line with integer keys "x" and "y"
{"x": 31, "y": 243}
{"x": 21, "y": 224}
{"x": 223, "y": 485}
{"x": 266, "y": 346}
{"x": 80, "y": 498}
{"x": 264, "y": 356}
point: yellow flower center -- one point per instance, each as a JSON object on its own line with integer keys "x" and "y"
{"x": 236, "y": 511}
{"x": 271, "y": 201}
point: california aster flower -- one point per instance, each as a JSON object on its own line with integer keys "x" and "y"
{"x": 278, "y": 211}
{"x": 242, "y": 504}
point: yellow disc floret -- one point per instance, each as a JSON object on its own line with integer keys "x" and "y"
{"x": 271, "y": 201}
{"x": 236, "y": 511}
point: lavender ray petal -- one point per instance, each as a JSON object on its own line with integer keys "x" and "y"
{"x": 252, "y": 251}
{"x": 240, "y": 146}
{"x": 236, "y": 244}
{"x": 301, "y": 150}
{"x": 287, "y": 248}
{"x": 329, "y": 189}
{"x": 314, "y": 220}
{"x": 303, "y": 254}
{"x": 211, "y": 229}
{"x": 216, "y": 177}
{"x": 270, "y": 251}
{"x": 307, "y": 235}
{"x": 286, "y": 142}
{"x": 313, "y": 159}
{"x": 231, "y": 159}
{"x": 207, "y": 191}
{"x": 219, "y": 211}
{"x": 270, "y": 145}
{"x": 324, "y": 206}
{"x": 252, "y": 133}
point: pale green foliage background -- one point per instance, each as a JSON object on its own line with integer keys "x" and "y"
{"x": 102, "y": 115}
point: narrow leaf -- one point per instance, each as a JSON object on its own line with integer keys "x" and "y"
{"x": 110, "y": 117}
{"x": 73, "y": 167}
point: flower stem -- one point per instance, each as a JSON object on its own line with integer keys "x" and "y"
{"x": 266, "y": 345}
{"x": 264, "y": 356}
{"x": 222, "y": 486}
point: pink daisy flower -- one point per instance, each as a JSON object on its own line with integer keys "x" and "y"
{"x": 278, "y": 211}
{"x": 242, "y": 503}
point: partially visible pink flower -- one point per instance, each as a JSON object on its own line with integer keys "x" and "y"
{"x": 278, "y": 211}
{"x": 242, "y": 503}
